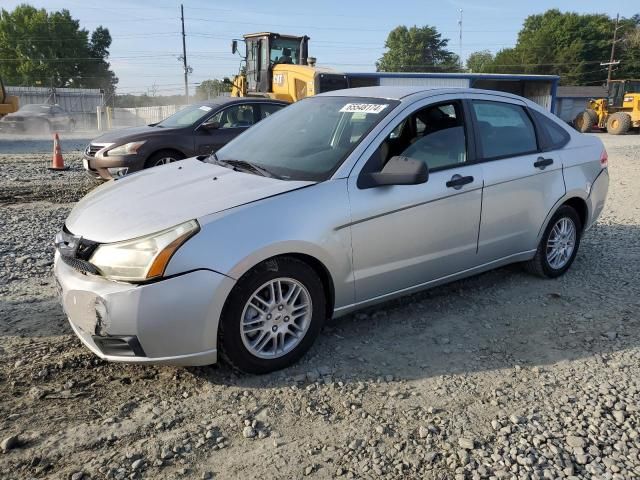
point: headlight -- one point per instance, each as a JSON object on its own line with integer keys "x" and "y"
{"x": 126, "y": 149}
{"x": 142, "y": 258}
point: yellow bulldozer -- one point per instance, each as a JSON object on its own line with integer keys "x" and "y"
{"x": 618, "y": 113}
{"x": 8, "y": 103}
{"x": 278, "y": 66}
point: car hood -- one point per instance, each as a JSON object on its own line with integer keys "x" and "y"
{"x": 161, "y": 197}
{"x": 20, "y": 114}
{"x": 130, "y": 134}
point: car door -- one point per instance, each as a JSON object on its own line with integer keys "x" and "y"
{"x": 408, "y": 235}
{"x": 58, "y": 118}
{"x": 521, "y": 181}
{"x": 224, "y": 126}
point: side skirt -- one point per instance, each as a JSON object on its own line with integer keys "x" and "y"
{"x": 518, "y": 257}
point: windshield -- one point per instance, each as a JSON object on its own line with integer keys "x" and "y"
{"x": 35, "y": 108}
{"x": 309, "y": 139}
{"x": 185, "y": 117}
{"x": 285, "y": 50}
{"x": 632, "y": 86}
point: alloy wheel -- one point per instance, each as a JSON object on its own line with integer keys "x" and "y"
{"x": 561, "y": 243}
{"x": 276, "y": 318}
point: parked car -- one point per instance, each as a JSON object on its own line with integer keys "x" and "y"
{"x": 338, "y": 202}
{"x": 197, "y": 129}
{"x": 38, "y": 118}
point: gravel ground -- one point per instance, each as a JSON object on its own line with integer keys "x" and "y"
{"x": 501, "y": 376}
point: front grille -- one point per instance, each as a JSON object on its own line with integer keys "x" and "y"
{"x": 80, "y": 265}
{"x": 93, "y": 149}
{"x": 128, "y": 346}
{"x": 76, "y": 251}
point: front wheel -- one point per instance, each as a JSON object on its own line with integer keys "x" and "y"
{"x": 272, "y": 316}
{"x": 162, "y": 157}
{"x": 559, "y": 244}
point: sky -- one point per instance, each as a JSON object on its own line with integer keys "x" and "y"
{"x": 346, "y": 35}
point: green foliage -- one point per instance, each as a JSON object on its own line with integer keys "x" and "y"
{"x": 480, "y": 62}
{"x": 212, "y": 88}
{"x": 571, "y": 45}
{"x": 417, "y": 49}
{"x": 40, "y": 48}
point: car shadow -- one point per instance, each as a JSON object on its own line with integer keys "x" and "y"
{"x": 496, "y": 320}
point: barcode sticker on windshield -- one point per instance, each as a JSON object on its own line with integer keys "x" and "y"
{"x": 363, "y": 107}
{"x": 205, "y": 108}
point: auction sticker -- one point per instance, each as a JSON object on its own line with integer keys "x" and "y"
{"x": 205, "y": 108}
{"x": 364, "y": 107}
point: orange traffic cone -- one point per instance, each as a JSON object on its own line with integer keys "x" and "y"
{"x": 57, "y": 162}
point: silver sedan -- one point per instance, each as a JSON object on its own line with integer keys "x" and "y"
{"x": 337, "y": 202}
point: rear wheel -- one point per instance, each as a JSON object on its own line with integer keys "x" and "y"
{"x": 586, "y": 120}
{"x": 559, "y": 244}
{"x": 272, "y": 316}
{"x": 163, "y": 157}
{"x": 618, "y": 123}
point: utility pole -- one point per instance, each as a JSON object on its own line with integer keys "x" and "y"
{"x": 613, "y": 50}
{"x": 184, "y": 57}
{"x": 460, "y": 39}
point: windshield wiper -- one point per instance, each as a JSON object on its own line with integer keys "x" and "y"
{"x": 247, "y": 166}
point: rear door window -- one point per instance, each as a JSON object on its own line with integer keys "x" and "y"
{"x": 504, "y": 129}
{"x": 267, "y": 109}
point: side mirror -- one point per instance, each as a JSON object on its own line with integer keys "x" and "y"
{"x": 210, "y": 126}
{"x": 234, "y": 46}
{"x": 397, "y": 171}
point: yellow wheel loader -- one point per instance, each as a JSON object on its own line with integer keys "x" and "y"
{"x": 278, "y": 66}
{"x": 8, "y": 104}
{"x": 618, "y": 113}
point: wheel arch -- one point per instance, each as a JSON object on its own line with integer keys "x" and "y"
{"x": 316, "y": 264}
{"x": 165, "y": 149}
{"x": 574, "y": 200}
{"x": 580, "y": 206}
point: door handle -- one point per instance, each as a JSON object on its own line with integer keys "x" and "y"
{"x": 542, "y": 163}
{"x": 458, "y": 181}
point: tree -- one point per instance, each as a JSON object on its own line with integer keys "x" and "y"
{"x": 417, "y": 49}
{"x": 568, "y": 44}
{"x": 480, "y": 62}
{"x": 212, "y": 88}
{"x": 50, "y": 49}
{"x": 630, "y": 52}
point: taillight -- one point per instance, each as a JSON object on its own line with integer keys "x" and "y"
{"x": 604, "y": 159}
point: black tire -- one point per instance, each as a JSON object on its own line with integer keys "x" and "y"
{"x": 585, "y": 120}
{"x": 231, "y": 346}
{"x": 540, "y": 265}
{"x": 618, "y": 123}
{"x": 153, "y": 160}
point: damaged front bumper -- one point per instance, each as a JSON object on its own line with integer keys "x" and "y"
{"x": 172, "y": 321}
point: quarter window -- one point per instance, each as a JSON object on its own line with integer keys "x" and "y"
{"x": 557, "y": 137}
{"x": 505, "y": 130}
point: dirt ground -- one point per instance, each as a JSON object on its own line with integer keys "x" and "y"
{"x": 503, "y": 375}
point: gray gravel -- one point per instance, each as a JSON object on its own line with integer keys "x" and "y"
{"x": 501, "y": 376}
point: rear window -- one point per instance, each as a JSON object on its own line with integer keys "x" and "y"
{"x": 505, "y": 130}
{"x": 556, "y": 136}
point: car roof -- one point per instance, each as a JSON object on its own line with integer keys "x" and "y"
{"x": 400, "y": 93}
{"x": 223, "y": 101}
